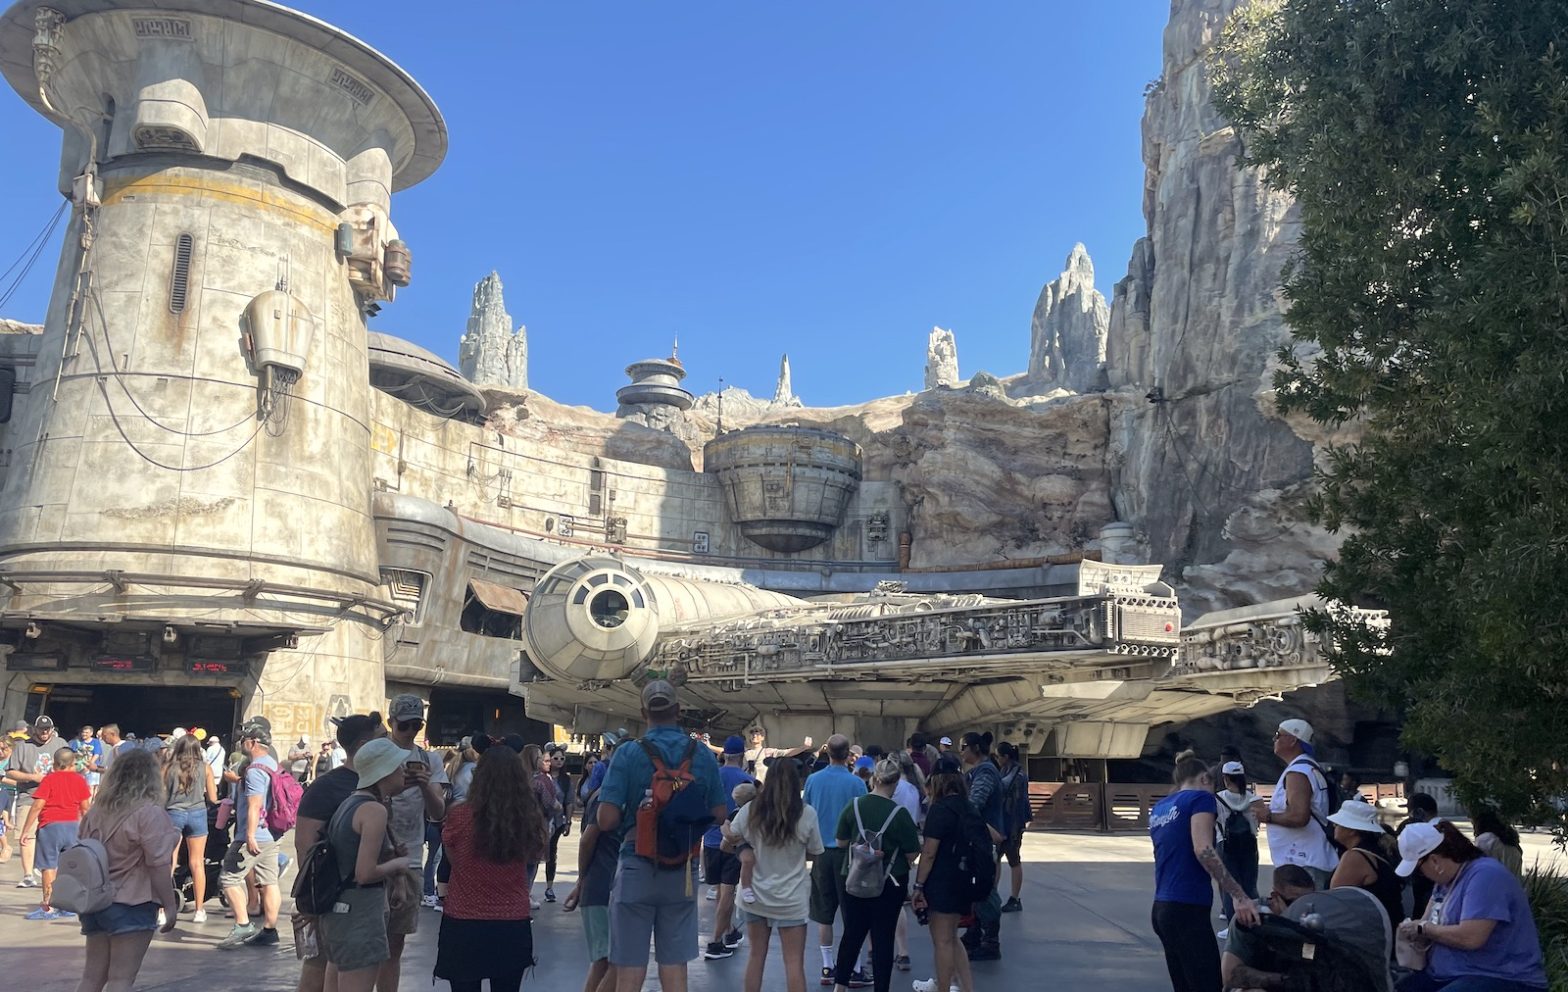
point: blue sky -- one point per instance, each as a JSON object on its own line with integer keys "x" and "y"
{"x": 821, "y": 177}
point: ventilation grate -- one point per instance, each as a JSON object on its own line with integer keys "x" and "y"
{"x": 179, "y": 286}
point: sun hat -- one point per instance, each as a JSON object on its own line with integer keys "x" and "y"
{"x": 1301, "y": 730}
{"x": 378, "y": 759}
{"x": 1357, "y": 814}
{"x": 1416, "y": 841}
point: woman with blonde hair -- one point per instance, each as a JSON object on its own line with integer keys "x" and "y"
{"x": 190, "y": 786}
{"x": 492, "y": 841}
{"x": 129, "y": 819}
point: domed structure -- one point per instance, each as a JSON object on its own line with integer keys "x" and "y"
{"x": 421, "y": 379}
{"x": 786, "y": 488}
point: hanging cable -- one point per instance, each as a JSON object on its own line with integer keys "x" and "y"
{"x": 29, "y": 256}
{"x": 119, "y": 377}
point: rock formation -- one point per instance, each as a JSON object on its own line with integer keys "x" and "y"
{"x": 783, "y": 391}
{"x": 1211, "y": 474}
{"x": 490, "y": 353}
{"x": 1068, "y": 332}
{"x": 941, "y": 359}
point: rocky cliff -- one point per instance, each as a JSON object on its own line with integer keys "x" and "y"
{"x": 490, "y": 353}
{"x": 1212, "y": 476}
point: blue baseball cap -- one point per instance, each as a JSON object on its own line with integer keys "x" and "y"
{"x": 733, "y": 744}
{"x": 865, "y": 761}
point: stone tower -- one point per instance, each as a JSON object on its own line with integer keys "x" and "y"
{"x": 490, "y": 352}
{"x": 191, "y": 491}
{"x": 784, "y": 390}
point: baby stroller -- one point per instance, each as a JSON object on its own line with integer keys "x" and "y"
{"x": 1315, "y": 961}
{"x": 212, "y": 861}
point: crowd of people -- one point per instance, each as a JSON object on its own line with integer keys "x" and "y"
{"x": 867, "y": 843}
{"x": 1421, "y": 908}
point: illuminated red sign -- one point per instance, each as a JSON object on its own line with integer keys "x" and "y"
{"x": 207, "y": 666}
{"x": 119, "y": 663}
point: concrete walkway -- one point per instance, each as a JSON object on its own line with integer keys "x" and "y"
{"x": 1085, "y": 926}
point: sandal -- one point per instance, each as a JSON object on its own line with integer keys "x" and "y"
{"x": 901, "y": 962}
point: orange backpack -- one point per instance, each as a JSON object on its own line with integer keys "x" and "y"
{"x": 674, "y": 814}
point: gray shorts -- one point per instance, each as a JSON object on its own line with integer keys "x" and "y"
{"x": 358, "y": 938}
{"x": 654, "y": 903}
{"x": 238, "y": 862}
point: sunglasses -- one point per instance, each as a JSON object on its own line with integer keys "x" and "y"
{"x": 406, "y": 725}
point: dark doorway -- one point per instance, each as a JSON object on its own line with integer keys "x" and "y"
{"x": 142, "y": 710}
{"x": 456, "y": 713}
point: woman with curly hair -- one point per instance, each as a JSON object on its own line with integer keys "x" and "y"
{"x": 491, "y": 841}
{"x": 128, "y": 818}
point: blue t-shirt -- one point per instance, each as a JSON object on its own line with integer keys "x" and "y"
{"x": 830, "y": 792}
{"x": 631, "y": 774}
{"x": 1178, "y": 875}
{"x": 1486, "y": 890}
{"x": 729, "y": 777}
{"x": 256, "y": 783}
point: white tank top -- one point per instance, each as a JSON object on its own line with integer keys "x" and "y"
{"x": 1306, "y": 845}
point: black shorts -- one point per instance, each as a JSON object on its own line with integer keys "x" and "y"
{"x": 1012, "y": 849}
{"x": 720, "y": 868}
{"x": 827, "y": 885}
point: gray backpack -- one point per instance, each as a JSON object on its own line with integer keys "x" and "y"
{"x": 867, "y": 873}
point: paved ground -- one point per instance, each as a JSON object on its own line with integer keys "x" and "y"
{"x": 1085, "y": 925}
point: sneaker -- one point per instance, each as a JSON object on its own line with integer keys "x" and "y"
{"x": 859, "y": 980}
{"x": 534, "y": 905}
{"x": 32, "y": 881}
{"x": 717, "y": 950}
{"x": 713, "y": 893}
{"x": 901, "y": 962}
{"x": 928, "y": 985}
{"x": 41, "y": 913}
{"x": 827, "y": 976}
{"x": 549, "y": 894}
{"x": 429, "y": 902}
{"x": 734, "y": 938}
{"x": 1012, "y": 905}
{"x": 1223, "y": 935}
{"x": 266, "y": 937}
{"x": 64, "y": 914}
{"x": 748, "y": 895}
{"x": 200, "y": 916}
{"x": 986, "y": 952}
{"x": 239, "y": 935}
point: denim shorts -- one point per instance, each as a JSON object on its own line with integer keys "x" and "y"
{"x": 52, "y": 840}
{"x": 120, "y": 918}
{"x": 189, "y": 822}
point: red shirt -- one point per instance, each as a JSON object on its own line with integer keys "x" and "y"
{"x": 62, "y": 795}
{"x": 480, "y": 889}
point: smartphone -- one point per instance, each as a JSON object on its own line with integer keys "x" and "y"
{"x": 413, "y": 767}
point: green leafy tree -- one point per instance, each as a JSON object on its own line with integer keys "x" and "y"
{"x": 1425, "y": 143}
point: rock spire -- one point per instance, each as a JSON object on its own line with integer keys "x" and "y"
{"x": 783, "y": 391}
{"x": 490, "y": 353}
{"x": 941, "y": 359}
{"x": 1068, "y": 332}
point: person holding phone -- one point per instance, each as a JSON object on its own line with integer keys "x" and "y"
{"x": 422, "y": 798}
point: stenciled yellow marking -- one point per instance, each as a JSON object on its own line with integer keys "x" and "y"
{"x": 217, "y": 190}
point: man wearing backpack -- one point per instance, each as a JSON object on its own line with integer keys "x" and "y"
{"x": 253, "y": 848}
{"x": 654, "y": 896}
{"x": 830, "y": 792}
{"x": 1297, "y": 814}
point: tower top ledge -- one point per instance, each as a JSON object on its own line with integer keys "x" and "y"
{"x": 428, "y": 128}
